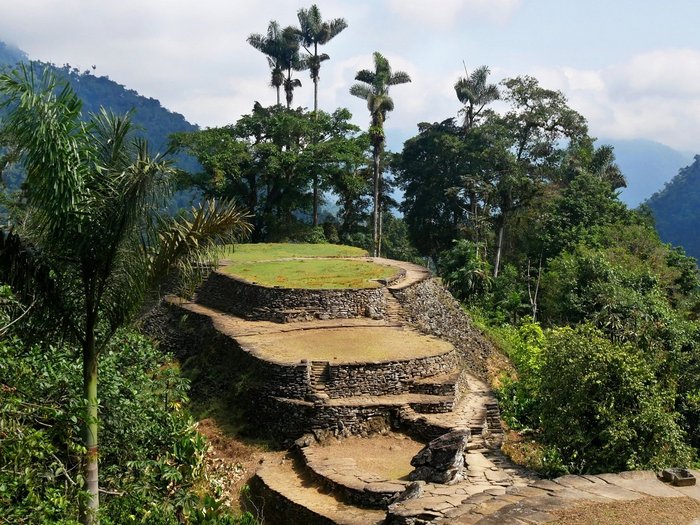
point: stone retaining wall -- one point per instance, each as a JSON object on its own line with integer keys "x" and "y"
{"x": 277, "y": 509}
{"x": 262, "y": 303}
{"x": 393, "y": 377}
{"x": 287, "y": 419}
{"x": 351, "y": 484}
{"x": 433, "y": 310}
{"x": 185, "y": 333}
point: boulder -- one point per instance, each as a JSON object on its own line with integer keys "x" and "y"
{"x": 442, "y": 460}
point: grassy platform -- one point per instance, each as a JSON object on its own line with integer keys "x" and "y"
{"x": 316, "y": 266}
{"x": 312, "y": 273}
{"x": 268, "y": 251}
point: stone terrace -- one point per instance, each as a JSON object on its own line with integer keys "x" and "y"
{"x": 403, "y": 357}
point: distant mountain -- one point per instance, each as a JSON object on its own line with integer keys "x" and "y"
{"x": 10, "y": 54}
{"x": 676, "y": 209}
{"x": 156, "y": 123}
{"x": 647, "y": 166}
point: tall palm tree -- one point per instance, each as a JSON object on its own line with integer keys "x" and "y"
{"x": 290, "y": 61}
{"x": 271, "y": 45}
{"x": 92, "y": 219}
{"x": 315, "y": 32}
{"x": 475, "y": 93}
{"x": 373, "y": 87}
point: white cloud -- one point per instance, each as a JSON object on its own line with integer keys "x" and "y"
{"x": 654, "y": 95}
{"x": 194, "y": 58}
{"x": 444, "y": 14}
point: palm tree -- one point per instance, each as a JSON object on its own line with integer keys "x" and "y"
{"x": 473, "y": 91}
{"x": 92, "y": 220}
{"x": 290, "y": 60}
{"x": 271, "y": 45}
{"x": 314, "y": 32}
{"x": 374, "y": 88}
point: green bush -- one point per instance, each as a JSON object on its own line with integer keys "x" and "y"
{"x": 518, "y": 396}
{"x": 466, "y": 273}
{"x": 602, "y": 407}
{"x": 151, "y": 459}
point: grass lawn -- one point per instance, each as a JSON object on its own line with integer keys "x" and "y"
{"x": 267, "y": 251}
{"x": 312, "y": 273}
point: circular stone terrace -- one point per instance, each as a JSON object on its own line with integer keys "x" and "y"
{"x": 338, "y": 345}
{"x": 304, "y": 266}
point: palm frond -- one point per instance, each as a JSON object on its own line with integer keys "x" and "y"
{"x": 399, "y": 77}
{"x": 332, "y": 29}
{"x": 45, "y": 120}
{"x": 361, "y": 91}
{"x": 209, "y": 225}
{"x": 366, "y": 76}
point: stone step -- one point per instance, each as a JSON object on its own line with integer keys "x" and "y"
{"x": 319, "y": 375}
{"x": 283, "y": 495}
{"x": 441, "y": 385}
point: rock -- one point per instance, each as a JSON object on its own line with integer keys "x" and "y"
{"x": 413, "y": 490}
{"x": 442, "y": 460}
{"x": 305, "y": 441}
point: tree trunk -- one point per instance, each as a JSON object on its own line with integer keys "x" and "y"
{"x": 89, "y": 514}
{"x": 315, "y": 213}
{"x": 499, "y": 247}
{"x": 381, "y": 217}
{"x": 278, "y": 95}
{"x": 315, "y": 95}
{"x": 315, "y": 76}
{"x": 375, "y": 214}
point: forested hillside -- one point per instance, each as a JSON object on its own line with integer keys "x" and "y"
{"x": 676, "y": 209}
{"x": 155, "y": 122}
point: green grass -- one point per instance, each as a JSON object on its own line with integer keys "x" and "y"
{"x": 267, "y": 251}
{"x": 312, "y": 273}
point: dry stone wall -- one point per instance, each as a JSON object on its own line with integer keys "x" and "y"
{"x": 382, "y": 378}
{"x": 432, "y": 309}
{"x": 262, "y": 303}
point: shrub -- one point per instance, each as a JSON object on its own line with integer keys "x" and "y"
{"x": 602, "y": 407}
{"x": 152, "y": 457}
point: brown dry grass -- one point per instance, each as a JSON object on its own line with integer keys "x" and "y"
{"x": 388, "y": 456}
{"x": 647, "y": 511}
{"x": 347, "y": 345}
{"x": 230, "y": 459}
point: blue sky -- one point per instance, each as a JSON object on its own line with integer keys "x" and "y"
{"x": 631, "y": 67}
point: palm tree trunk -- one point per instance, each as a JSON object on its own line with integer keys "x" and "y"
{"x": 375, "y": 215}
{"x": 315, "y": 95}
{"x": 278, "y": 95}
{"x": 381, "y": 218}
{"x": 315, "y": 213}
{"x": 499, "y": 247}
{"x": 91, "y": 506}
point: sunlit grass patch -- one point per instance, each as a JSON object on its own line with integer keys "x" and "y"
{"x": 267, "y": 251}
{"x": 312, "y": 273}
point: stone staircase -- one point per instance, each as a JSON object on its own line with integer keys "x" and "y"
{"x": 318, "y": 376}
{"x": 394, "y": 312}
